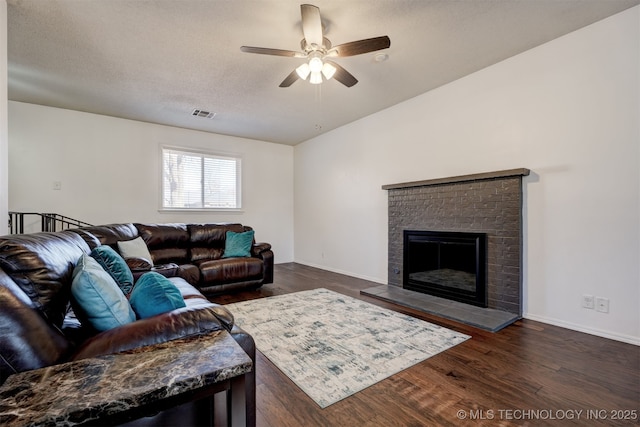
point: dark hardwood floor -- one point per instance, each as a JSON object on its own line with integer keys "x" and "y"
{"x": 528, "y": 374}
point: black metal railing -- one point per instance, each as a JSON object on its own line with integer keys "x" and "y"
{"x": 48, "y": 222}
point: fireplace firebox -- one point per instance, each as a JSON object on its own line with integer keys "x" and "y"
{"x": 450, "y": 265}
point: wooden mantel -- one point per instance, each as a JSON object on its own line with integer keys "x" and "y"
{"x": 461, "y": 178}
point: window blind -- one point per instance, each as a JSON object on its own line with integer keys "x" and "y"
{"x": 192, "y": 180}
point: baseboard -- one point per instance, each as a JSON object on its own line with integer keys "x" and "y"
{"x": 346, "y": 273}
{"x": 592, "y": 331}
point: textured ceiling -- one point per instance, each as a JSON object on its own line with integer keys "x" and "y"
{"x": 158, "y": 60}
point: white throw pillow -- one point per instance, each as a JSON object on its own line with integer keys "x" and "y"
{"x": 135, "y": 248}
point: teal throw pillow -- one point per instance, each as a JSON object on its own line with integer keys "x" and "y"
{"x": 154, "y": 294}
{"x": 99, "y": 297}
{"x": 238, "y": 244}
{"x": 115, "y": 265}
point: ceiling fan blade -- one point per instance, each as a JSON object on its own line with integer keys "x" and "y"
{"x": 361, "y": 46}
{"x": 342, "y": 75}
{"x": 269, "y": 51}
{"x": 311, "y": 24}
{"x": 290, "y": 79}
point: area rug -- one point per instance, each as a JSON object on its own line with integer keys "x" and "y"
{"x": 332, "y": 345}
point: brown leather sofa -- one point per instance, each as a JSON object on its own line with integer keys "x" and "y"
{"x": 38, "y": 327}
{"x": 193, "y": 252}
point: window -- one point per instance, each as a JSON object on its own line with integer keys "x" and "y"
{"x": 197, "y": 180}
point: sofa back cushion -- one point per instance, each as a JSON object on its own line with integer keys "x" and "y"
{"x": 41, "y": 264}
{"x": 27, "y": 341}
{"x": 208, "y": 240}
{"x": 167, "y": 243}
{"x": 107, "y": 234}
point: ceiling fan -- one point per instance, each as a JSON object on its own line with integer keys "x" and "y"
{"x": 317, "y": 50}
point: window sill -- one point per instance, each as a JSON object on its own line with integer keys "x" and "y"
{"x": 190, "y": 210}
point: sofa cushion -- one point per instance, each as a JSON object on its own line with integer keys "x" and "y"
{"x": 115, "y": 265}
{"x": 208, "y": 240}
{"x": 190, "y": 273}
{"x": 238, "y": 244}
{"x": 169, "y": 255}
{"x": 166, "y": 242}
{"x": 109, "y": 234}
{"x": 99, "y": 297}
{"x": 227, "y": 270}
{"x": 200, "y": 254}
{"x": 155, "y": 294}
{"x": 41, "y": 264}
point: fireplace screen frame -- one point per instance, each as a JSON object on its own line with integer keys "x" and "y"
{"x": 478, "y": 240}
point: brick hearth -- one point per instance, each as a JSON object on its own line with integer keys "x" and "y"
{"x": 488, "y": 203}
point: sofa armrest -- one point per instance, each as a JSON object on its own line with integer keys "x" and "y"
{"x": 259, "y": 248}
{"x": 164, "y": 327}
{"x": 267, "y": 258}
{"x": 264, "y": 252}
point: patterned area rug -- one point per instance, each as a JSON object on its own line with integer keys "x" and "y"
{"x": 332, "y": 345}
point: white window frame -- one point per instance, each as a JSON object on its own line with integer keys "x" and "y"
{"x": 202, "y": 154}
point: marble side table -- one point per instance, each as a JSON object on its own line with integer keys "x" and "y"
{"x": 119, "y": 387}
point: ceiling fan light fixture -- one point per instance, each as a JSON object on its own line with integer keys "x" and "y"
{"x": 315, "y": 64}
{"x": 316, "y": 77}
{"x": 328, "y": 70}
{"x": 303, "y": 71}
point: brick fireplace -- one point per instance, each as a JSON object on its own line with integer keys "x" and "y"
{"x": 489, "y": 203}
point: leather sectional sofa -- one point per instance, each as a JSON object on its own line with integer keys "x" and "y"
{"x": 191, "y": 251}
{"x": 38, "y": 327}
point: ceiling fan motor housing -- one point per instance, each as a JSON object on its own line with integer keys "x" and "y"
{"x": 308, "y": 48}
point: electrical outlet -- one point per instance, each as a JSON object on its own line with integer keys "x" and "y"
{"x": 602, "y": 305}
{"x": 587, "y": 301}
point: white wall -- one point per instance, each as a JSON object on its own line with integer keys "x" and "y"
{"x": 110, "y": 172}
{"x": 568, "y": 110}
{"x": 4, "y": 174}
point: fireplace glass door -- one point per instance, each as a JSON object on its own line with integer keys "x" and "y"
{"x": 446, "y": 264}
